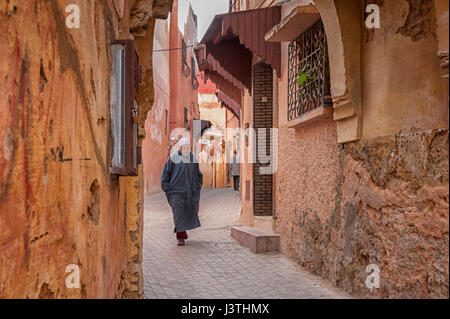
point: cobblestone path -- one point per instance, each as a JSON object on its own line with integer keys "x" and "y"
{"x": 213, "y": 264}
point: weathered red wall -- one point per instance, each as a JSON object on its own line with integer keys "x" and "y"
{"x": 58, "y": 203}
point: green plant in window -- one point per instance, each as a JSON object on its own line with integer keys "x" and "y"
{"x": 304, "y": 77}
{"x": 316, "y": 44}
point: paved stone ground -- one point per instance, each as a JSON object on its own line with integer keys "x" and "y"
{"x": 212, "y": 264}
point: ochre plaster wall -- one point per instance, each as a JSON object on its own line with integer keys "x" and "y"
{"x": 402, "y": 90}
{"x": 58, "y": 203}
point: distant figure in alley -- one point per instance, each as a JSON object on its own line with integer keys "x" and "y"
{"x": 182, "y": 181}
{"x": 235, "y": 170}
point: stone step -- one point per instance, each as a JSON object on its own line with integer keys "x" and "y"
{"x": 264, "y": 223}
{"x": 258, "y": 241}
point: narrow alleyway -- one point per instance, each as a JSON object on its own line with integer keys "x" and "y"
{"x": 212, "y": 264}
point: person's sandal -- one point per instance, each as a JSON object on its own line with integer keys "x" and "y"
{"x": 180, "y": 242}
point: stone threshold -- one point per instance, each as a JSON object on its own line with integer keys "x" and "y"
{"x": 257, "y": 240}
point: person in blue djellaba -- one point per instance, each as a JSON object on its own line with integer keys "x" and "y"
{"x": 181, "y": 180}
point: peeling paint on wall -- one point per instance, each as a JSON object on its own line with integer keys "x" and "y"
{"x": 93, "y": 209}
{"x": 421, "y": 20}
{"x": 157, "y": 117}
{"x": 392, "y": 199}
{"x": 8, "y": 145}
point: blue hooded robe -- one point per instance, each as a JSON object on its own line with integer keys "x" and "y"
{"x": 182, "y": 181}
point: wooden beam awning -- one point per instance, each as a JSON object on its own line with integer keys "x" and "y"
{"x": 246, "y": 28}
{"x": 229, "y": 95}
{"x": 293, "y": 25}
{"x": 221, "y": 59}
{"x": 227, "y": 51}
{"x": 229, "y": 103}
{"x": 224, "y": 86}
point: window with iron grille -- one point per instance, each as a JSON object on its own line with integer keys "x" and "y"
{"x": 195, "y": 83}
{"x": 183, "y": 50}
{"x": 308, "y": 72}
{"x": 185, "y": 66}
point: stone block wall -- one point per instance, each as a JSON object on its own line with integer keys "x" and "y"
{"x": 395, "y": 214}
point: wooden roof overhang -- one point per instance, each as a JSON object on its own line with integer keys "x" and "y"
{"x": 230, "y": 95}
{"x": 250, "y": 27}
{"x": 220, "y": 60}
{"x": 230, "y": 86}
{"x": 232, "y": 38}
{"x": 223, "y": 85}
{"x": 229, "y": 103}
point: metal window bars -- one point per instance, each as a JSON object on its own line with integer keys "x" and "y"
{"x": 186, "y": 70}
{"x": 194, "y": 80}
{"x": 308, "y": 72}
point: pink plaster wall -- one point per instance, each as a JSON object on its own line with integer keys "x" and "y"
{"x": 155, "y": 144}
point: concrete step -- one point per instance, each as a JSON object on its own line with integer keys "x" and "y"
{"x": 258, "y": 241}
{"x": 264, "y": 223}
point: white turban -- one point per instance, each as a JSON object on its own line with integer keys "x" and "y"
{"x": 184, "y": 140}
